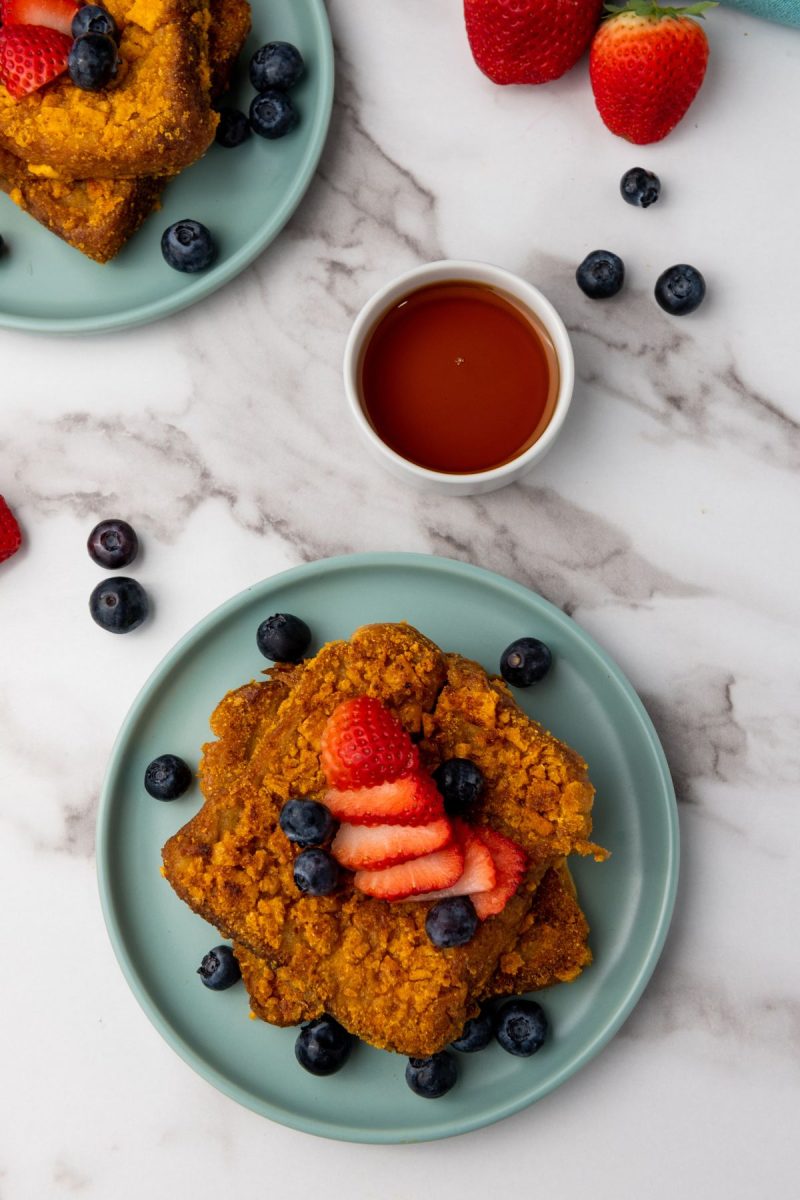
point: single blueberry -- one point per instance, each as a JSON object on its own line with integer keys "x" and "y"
{"x": 323, "y": 1046}
{"x": 680, "y": 290}
{"x": 525, "y": 661}
{"x": 219, "y": 969}
{"x": 113, "y": 543}
{"x": 119, "y": 604}
{"x": 91, "y": 18}
{"x": 477, "y": 1034}
{"x": 167, "y": 777}
{"x": 461, "y": 782}
{"x": 601, "y": 274}
{"x": 639, "y": 187}
{"x": 432, "y": 1077}
{"x": 188, "y": 246}
{"x": 92, "y": 61}
{"x": 276, "y": 65}
{"x": 316, "y": 873}
{"x": 451, "y": 922}
{"x": 233, "y": 128}
{"x": 307, "y": 822}
{"x": 520, "y": 1027}
{"x": 272, "y": 114}
{"x": 283, "y": 638}
{"x": 2, "y": 244}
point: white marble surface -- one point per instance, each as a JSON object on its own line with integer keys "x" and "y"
{"x": 665, "y": 521}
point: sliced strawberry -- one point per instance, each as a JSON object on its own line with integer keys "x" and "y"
{"x": 30, "y": 57}
{"x": 371, "y": 847}
{"x": 479, "y": 873}
{"x": 363, "y": 744}
{"x": 52, "y": 14}
{"x": 431, "y": 872}
{"x": 10, "y": 536}
{"x": 510, "y": 861}
{"x": 410, "y": 801}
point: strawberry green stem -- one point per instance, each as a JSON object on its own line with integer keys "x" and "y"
{"x": 646, "y": 8}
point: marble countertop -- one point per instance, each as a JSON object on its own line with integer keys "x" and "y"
{"x": 664, "y": 521}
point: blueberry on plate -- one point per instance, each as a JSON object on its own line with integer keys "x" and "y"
{"x": 188, "y": 246}
{"x": 520, "y": 1027}
{"x": 91, "y": 18}
{"x": 323, "y": 1046}
{"x": 219, "y": 969}
{"x": 112, "y": 544}
{"x": 233, "y": 128}
{"x": 601, "y": 274}
{"x": 307, "y": 822}
{"x": 167, "y": 777}
{"x": 276, "y": 65}
{"x": 316, "y": 873}
{"x": 283, "y": 638}
{"x": 477, "y": 1034}
{"x": 680, "y": 289}
{"x": 432, "y": 1077}
{"x": 460, "y": 782}
{"x": 272, "y": 114}
{"x": 451, "y": 922}
{"x": 525, "y": 661}
{"x": 92, "y": 61}
{"x": 639, "y": 187}
{"x": 119, "y": 604}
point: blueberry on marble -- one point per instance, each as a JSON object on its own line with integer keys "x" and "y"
{"x": 167, "y": 777}
{"x": 283, "y": 638}
{"x": 119, "y": 605}
{"x": 219, "y": 969}
{"x": 113, "y": 543}
{"x": 451, "y": 922}
{"x": 680, "y": 289}
{"x": 525, "y": 661}
{"x": 460, "y": 782}
{"x": 307, "y": 822}
{"x": 432, "y": 1077}
{"x": 188, "y": 246}
{"x": 521, "y": 1027}
{"x": 91, "y": 18}
{"x": 316, "y": 873}
{"x": 323, "y": 1046}
{"x": 640, "y": 187}
{"x": 233, "y": 128}
{"x": 92, "y": 61}
{"x": 276, "y": 65}
{"x": 477, "y": 1034}
{"x": 601, "y": 274}
{"x": 272, "y": 114}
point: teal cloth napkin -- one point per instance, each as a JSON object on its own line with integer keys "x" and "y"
{"x": 785, "y": 11}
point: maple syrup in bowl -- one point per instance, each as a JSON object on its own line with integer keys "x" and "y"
{"x": 459, "y": 375}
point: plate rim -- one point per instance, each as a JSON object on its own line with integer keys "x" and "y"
{"x": 456, "y": 1125}
{"x": 207, "y": 283}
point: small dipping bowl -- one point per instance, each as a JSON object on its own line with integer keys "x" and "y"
{"x": 523, "y": 296}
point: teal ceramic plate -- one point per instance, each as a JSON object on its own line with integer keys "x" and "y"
{"x": 585, "y": 700}
{"x": 245, "y": 196}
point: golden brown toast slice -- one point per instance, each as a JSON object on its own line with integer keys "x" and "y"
{"x": 367, "y": 962}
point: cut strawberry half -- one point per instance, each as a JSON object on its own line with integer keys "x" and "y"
{"x": 10, "y": 536}
{"x": 30, "y": 57}
{"x": 413, "y": 800}
{"x": 431, "y": 872}
{"x": 479, "y": 873}
{"x": 510, "y": 861}
{"x": 52, "y": 14}
{"x": 372, "y": 847}
{"x": 363, "y": 744}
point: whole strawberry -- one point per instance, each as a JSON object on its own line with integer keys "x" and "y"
{"x": 529, "y": 41}
{"x": 646, "y": 66}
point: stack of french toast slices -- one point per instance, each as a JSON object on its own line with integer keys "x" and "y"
{"x": 91, "y": 165}
{"x": 369, "y": 962}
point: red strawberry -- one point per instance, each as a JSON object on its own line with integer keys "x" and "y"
{"x": 413, "y": 800}
{"x": 478, "y": 875}
{"x": 431, "y": 872}
{"x": 529, "y": 41}
{"x": 30, "y": 57}
{"x": 53, "y": 14}
{"x": 364, "y": 744}
{"x": 646, "y": 65}
{"x": 10, "y": 536}
{"x": 510, "y": 861}
{"x": 371, "y": 847}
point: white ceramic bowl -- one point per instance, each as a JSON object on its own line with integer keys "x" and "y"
{"x": 503, "y": 281}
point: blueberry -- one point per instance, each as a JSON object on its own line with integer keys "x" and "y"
{"x": 521, "y": 1027}
{"x": 639, "y": 187}
{"x": 316, "y": 873}
{"x": 119, "y": 604}
{"x": 272, "y": 115}
{"x": 188, "y": 246}
{"x": 219, "y": 969}
{"x": 323, "y": 1046}
{"x": 680, "y": 289}
{"x": 477, "y": 1034}
{"x": 461, "y": 782}
{"x": 91, "y": 18}
{"x": 276, "y": 65}
{"x": 233, "y": 128}
{"x": 167, "y": 777}
{"x": 283, "y": 638}
{"x": 306, "y": 822}
{"x": 601, "y": 274}
{"x": 432, "y": 1077}
{"x": 113, "y": 543}
{"x": 92, "y": 61}
{"x": 525, "y": 661}
{"x": 451, "y": 922}
{"x": 2, "y": 244}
